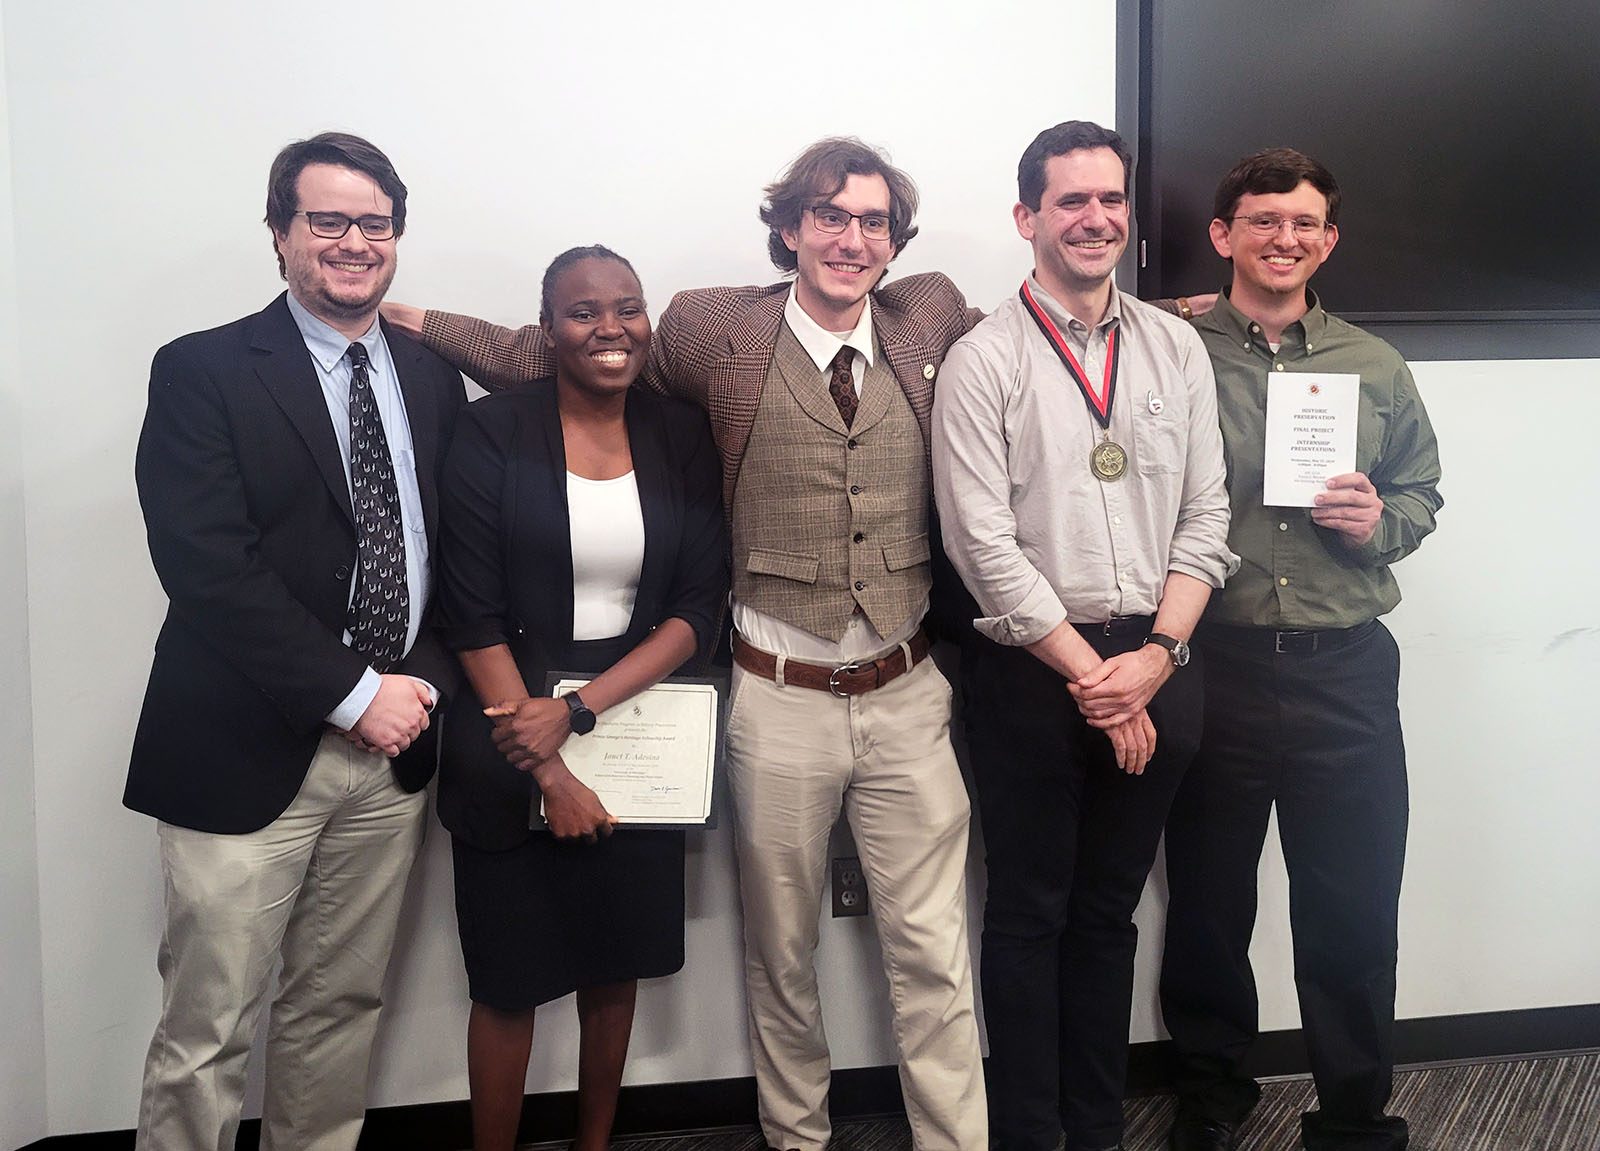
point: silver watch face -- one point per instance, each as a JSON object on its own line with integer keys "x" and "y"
{"x": 1180, "y": 654}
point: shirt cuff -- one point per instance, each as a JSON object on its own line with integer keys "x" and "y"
{"x": 350, "y": 710}
{"x": 1212, "y": 574}
{"x": 1040, "y": 613}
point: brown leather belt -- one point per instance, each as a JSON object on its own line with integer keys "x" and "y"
{"x": 846, "y": 679}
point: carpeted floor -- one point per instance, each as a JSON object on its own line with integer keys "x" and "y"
{"x": 1532, "y": 1105}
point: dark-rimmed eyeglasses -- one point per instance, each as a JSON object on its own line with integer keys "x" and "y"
{"x": 1270, "y": 224}
{"x": 333, "y": 225}
{"x": 874, "y": 225}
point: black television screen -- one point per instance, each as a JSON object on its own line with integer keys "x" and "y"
{"x": 1465, "y": 136}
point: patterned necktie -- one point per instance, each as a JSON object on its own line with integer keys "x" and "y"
{"x": 380, "y": 608}
{"x": 842, "y": 385}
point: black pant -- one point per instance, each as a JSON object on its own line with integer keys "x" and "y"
{"x": 1070, "y": 840}
{"x": 1319, "y": 734}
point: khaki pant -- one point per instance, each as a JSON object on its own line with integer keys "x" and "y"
{"x": 795, "y": 758}
{"x": 322, "y": 886}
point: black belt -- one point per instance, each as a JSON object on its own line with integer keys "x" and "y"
{"x": 1118, "y": 626}
{"x": 1297, "y": 641}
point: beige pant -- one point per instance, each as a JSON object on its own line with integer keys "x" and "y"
{"x": 321, "y": 885}
{"x": 795, "y": 757}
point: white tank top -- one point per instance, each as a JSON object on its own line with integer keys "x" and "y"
{"x": 607, "y": 554}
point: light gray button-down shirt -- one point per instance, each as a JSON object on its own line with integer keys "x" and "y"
{"x": 1035, "y": 535}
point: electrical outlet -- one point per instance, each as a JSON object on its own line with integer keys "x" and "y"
{"x": 849, "y": 887}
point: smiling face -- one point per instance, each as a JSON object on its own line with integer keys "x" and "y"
{"x": 598, "y": 327}
{"x": 342, "y": 281}
{"x": 837, "y": 270}
{"x": 1269, "y": 269}
{"x": 1080, "y": 228}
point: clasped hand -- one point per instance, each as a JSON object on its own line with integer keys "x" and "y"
{"x": 397, "y": 714}
{"x": 529, "y": 733}
{"x": 1113, "y": 698}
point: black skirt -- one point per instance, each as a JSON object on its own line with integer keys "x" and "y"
{"x": 547, "y": 917}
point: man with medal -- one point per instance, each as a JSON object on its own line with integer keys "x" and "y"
{"x": 1078, "y": 470}
{"x": 1301, "y": 684}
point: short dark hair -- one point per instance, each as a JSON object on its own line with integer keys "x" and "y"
{"x": 818, "y": 174}
{"x": 1274, "y": 170}
{"x": 1067, "y": 136}
{"x": 564, "y": 261}
{"x": 342, "y": 150}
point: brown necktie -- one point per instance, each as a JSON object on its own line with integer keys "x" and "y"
{"x": 842, "y": 386}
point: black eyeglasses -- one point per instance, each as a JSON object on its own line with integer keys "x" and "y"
{"x": 333, "y": 225}
{"x": 1270, "y": 224}
{"x": 874, "y": 225}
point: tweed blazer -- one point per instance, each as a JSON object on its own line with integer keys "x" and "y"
{"x": 714, "y": 346}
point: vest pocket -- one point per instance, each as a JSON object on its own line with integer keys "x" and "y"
{"x": 906, "y": 553}
{"x": 788, "y": 565}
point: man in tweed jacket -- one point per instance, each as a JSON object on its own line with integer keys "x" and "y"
{"x": 820, "y": 395}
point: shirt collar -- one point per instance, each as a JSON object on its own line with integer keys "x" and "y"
{"x": 326, "y": 345}
{"x": 822, "y": 345}
{"x": 1064, "y": 319}
{"x": 1241, "y": 329}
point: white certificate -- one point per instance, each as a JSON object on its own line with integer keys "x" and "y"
{"x": 1311, "y": 434}
{"x": 650, "y": 759}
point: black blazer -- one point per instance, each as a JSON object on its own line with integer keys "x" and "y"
{"x": 251, "y": 533}
{"x": 505, "y": 567}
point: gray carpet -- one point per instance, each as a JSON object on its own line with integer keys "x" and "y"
{"x": 1548, "y": 1104}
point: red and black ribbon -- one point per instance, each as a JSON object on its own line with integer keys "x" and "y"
{"x": 1099, "y": 406}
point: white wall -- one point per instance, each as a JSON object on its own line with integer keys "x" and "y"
{"x": 22, "y": 1068}
{"x": 140, "y": 139}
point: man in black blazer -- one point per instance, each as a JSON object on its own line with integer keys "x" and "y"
{"x": 288, "y": 472}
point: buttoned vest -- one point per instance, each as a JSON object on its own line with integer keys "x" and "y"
{"x": 825, "y": 518}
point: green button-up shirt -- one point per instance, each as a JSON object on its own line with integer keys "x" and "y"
{"x": 1295, "y": 574}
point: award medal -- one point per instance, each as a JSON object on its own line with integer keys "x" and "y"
{"x": 1108, "y": 460}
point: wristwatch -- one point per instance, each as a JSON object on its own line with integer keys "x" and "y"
{"x": 1176, "y": 647}
{"x": 582, "y": 717}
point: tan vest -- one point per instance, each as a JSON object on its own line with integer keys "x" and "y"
{"x": 825, "y": 518}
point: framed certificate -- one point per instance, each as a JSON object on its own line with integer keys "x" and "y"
{"x": 651, "y": 759}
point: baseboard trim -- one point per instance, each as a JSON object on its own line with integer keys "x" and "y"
{"x": 717, "y": 1103}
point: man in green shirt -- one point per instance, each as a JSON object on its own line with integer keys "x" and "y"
{"x": 1301, "y": 693}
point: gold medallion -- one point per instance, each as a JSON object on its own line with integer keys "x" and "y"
{"x": 1108, "y": 460}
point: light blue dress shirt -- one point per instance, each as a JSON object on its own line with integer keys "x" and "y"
{"x": 328, "y": 348}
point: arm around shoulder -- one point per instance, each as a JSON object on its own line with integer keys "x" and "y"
{"x": 496, "y": 357}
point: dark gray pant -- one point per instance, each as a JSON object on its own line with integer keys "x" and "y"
{"x": 1317, "y": 733}
{"x": 1069, "y": 842}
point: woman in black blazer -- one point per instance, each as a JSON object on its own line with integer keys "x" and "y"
{"x": 531, "y": 473}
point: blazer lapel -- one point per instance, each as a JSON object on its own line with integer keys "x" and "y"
{"x": 654, "y": 480}
{"x": 285, "y": 369}
{"x": 733, "y": 398}
{"x": 911, "y": 360}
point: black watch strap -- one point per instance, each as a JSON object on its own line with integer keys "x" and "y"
{"x": 582, "y": 717}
